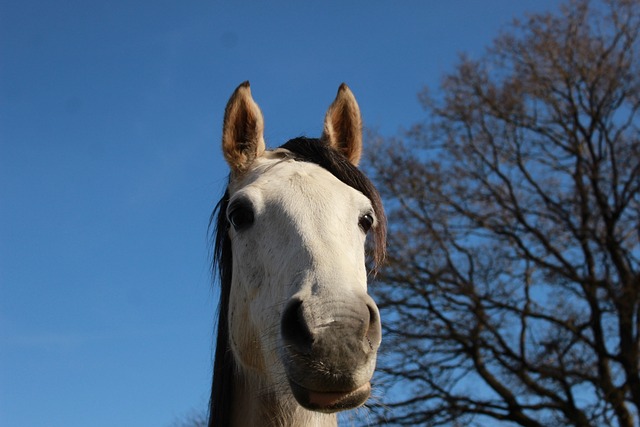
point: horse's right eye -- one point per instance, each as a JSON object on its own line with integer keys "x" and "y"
{"x": 240, "y": 216}
{"x": 366, "y": 222}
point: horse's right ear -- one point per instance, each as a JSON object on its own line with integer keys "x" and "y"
{"x": 343, "y": 125}
{"x": 242, "y": 131}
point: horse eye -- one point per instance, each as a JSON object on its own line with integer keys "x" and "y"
{"x": 240, "y": 216}
{"x": 366, "y": 222}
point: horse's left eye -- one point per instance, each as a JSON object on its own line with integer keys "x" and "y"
{"x": 366, "y": 222}
{"x": 240, "y": 216}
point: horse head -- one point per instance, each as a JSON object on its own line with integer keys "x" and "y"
{"x": 294, "y": 221}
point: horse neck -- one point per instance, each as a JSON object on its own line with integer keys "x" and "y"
{"x": 252, "y": 406}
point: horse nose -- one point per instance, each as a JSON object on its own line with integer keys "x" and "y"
{"x": 294, "y": 328}
{"x": 306, "y": 325}
{"x": 374, "y": 330}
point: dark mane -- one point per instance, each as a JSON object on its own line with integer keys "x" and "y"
{"x": 224, "y": 366}
{"x": 307, "y": 150}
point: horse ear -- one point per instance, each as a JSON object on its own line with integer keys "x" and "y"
{"x": 343, "y": 125}
{"x": 242, "y": 131}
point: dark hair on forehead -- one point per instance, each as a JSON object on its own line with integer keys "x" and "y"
{"x": 318, "y": 151}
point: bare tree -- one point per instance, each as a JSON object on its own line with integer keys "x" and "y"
{"x": 512, "y": 291}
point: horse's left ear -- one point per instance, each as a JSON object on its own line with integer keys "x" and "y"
{"x": 343, "y": 125}
{"x": 243, "y": 128}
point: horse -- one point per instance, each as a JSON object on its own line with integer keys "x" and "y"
{"x": 297, "y": 333}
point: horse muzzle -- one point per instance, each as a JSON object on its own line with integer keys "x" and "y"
{"x": 329, "y": 350}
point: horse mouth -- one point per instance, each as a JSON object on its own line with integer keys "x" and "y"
{"x": 323, "y": 401}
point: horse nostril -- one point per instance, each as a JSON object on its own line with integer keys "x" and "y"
{"x": 374, "y": 330}
{"x": 294, "y": 329}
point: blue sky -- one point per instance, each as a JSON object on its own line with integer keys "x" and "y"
{"x": 110, "y": 123}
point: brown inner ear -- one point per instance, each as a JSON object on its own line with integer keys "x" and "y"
{"x": 343, "y": 125}
{"x": 242, "y": 130}
{"x": 346, "y": 129}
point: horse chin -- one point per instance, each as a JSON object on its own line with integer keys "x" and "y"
{"x": 330, "y": 402}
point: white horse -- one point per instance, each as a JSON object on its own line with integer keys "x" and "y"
{"x": 297, "y": 332}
